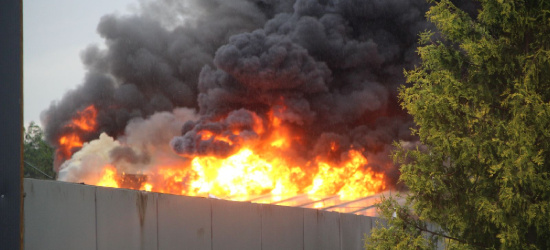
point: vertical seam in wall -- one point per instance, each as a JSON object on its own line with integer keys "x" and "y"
{"x": 157, "y": 217}
{"x": 340, "y": 230}
{"x": 303, "y": 229}
{"x": 95, "y": 211}
{"x": 211, "y": 224}
{"x": 261, "y": 228}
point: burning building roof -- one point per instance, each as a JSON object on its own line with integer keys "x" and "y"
{"x": 242, "y": 99}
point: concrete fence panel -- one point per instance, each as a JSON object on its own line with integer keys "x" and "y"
{"x": 353, "y": 229}
{"x": 236, "y": 225}
{"x": 184, "y": 222}
{"x": 126, "y": 219}
{"x": 321, "y": 230}
{"x": 59, "y": 215}
{"x": 282, "y": 228}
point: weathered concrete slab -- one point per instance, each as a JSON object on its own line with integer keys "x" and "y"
{"x": 352, "y": 231}
{"x": 126, "y": 219}
{"x": 59, "y": 215}
{"x": 236, "y": 225}
{"x": 184, "y": 222}
{"x": 366, "y": 226}
{"x": 321, "y": 230}
{"x": 282, "y": 228}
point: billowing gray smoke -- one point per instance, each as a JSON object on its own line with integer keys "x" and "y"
{"x": 152, "y": 62}
{"x": 328, "y": 69}
{"x": 334, "y": 66}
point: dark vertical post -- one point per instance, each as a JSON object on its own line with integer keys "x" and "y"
{"x": 11, "y": 115}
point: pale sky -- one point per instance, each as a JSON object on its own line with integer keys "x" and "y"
{"x": 54, "y": 34}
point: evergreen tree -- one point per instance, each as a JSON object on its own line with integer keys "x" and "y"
{"x": 37, "y": 154}
{"x": 481, "y": 103}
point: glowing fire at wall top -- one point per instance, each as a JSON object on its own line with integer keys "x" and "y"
{"x": 84, "y": 121}
{"x": 256, "y": 169}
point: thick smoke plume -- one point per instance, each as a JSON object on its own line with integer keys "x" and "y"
{"x": 328, "y": 70}
{"x": 151, "y": 63}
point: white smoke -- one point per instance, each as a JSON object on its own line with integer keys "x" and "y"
{"x": 144, "y": 146}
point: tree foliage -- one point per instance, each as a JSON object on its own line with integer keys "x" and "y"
{"x": 481, "y": 102}
{"x": 37, "y": 154}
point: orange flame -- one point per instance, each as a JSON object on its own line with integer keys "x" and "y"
{"x": 258, "y": 169}
{"x": 108, "y": 177}
{"x": 84, "y": 121}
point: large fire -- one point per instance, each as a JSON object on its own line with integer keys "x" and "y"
{"x": 259, "y": 168}
{"x": 246, "y": 174}
{"x": 285, "y": 102}
{"x": 84, "y": 121}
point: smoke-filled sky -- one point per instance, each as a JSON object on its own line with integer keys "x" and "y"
{"x": 55, "y": 33}
{"x": 322, "y": 75}
{"x": 328, "y": 70}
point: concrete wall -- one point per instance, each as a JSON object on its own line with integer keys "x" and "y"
{"x": 62, "y": 215}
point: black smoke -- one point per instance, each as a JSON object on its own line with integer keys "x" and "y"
{"x": 328, "y": 69}
{"x": 152, "y": 61}
{"x": 335, "y": 67}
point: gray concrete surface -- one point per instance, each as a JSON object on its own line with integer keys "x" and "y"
{"x": 62, "y": 215}
{"x": 353, "y": 229}
{"x": 126, "y": 219}
{"x": 184, "y": 222}
{"x": 59, "y": 215}
{"x": 282, "y": 228}
{"x": 236, "y": 225}
{"x": 321, "y": 230}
